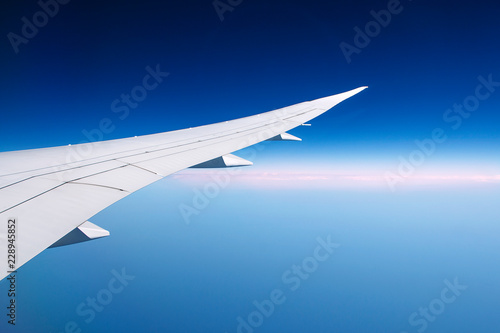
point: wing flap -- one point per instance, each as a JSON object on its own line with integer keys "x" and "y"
{"x": 84, "y": 233}
{"x": 226, "y": 161}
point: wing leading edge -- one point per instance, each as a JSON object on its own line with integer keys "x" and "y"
{"x": 53, "y": 191}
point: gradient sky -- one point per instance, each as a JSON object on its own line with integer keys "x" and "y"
{"x": 261, "y": 57}
{"x": 426, "y": 62}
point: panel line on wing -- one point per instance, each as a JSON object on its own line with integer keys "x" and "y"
{"x": 139, "y": 167}
{"x": 33, "y": 197}
{"x": 255, "y": 129}
{"x": 207, "y": 137}
{"x": 145, "y": 152}
{"x": 55, "y": 187}
{"x": 98, "y": 185}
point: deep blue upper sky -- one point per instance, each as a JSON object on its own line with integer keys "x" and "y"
{"x": 262, "y": 56}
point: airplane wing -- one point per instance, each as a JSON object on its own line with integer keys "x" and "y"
{"x": 47, "y": 195}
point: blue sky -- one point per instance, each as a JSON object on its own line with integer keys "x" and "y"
{"x": 261, "y": 57}
{"x": 396, "y": 174}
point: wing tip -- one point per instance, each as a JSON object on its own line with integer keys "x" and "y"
{"x": 360, "y": 89}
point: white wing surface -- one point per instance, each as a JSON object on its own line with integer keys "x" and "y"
{"x": 51, "y": 193}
